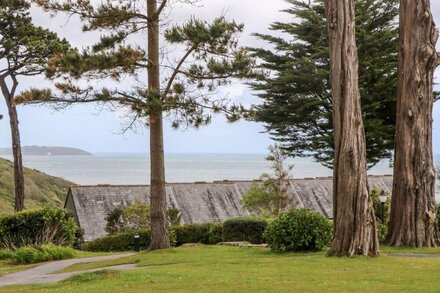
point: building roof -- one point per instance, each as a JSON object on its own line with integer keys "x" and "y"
{"x": 198, "y": 202}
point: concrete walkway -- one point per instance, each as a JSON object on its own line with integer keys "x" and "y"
{"x": 414, "y": 255}
{"x": 43, "y": 274}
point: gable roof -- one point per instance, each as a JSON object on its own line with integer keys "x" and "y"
{"x": 197, "y": 202}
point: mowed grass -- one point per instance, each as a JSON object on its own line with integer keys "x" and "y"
{"x": 233, "y": 269}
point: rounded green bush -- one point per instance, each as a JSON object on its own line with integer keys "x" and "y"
{"x": 299, "y": 230}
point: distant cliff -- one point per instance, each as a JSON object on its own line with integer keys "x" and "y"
{"x": 47, "y": 151}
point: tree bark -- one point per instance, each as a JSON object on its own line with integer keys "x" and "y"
{"x": 158, "y": 201}
{"x": 16, "y": 144}
{"x": 413, "y": 216}
{"x": 354, "y": 219}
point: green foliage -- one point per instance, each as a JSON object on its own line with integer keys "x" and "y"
{"x": 262, "y": 199}
{"x": 244, "y": 229}
{"x": 6, "y": 254}
{"x": 210, "y": 58}
{"x": 299, "y": 230}
{"x": 115, "y": 222}
{"x": 382, "y": 211}
{"x": 48, "y": 252}
{"x": 37, "y": 227}
{"x": 174, "y": 217}
{"x": 135, "y": 216}
{"x": 25, "y": 47}
{"x": 198, "y": 233}
{"x": 297, "y": 105}
{"x": 268, "y": 197}
{"x": 120, "y": 242}
{"x": 41, "y": 189}
{"x": 382, "y": 232}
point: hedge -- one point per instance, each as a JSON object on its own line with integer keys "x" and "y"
{"x": 244, "y": 229}
{"x": 37, "y": 227}
{"x": 119, "y": 242}
{"x": 198, "y": 233}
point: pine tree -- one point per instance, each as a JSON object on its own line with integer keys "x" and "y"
{"x": 24, "y": 51}
{"x": 211, "y": 58}
{"x": 297, "y": 105}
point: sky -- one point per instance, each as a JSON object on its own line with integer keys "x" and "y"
{"x": 94, "y": 129}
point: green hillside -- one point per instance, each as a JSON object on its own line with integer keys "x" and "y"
{"x": 41, "y": 189}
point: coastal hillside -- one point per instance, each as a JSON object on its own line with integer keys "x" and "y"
{"x": 41, "y": 189}
{"x": 46, "y": 151}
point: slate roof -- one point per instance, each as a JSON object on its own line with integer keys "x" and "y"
{"x": 197, "y": 202}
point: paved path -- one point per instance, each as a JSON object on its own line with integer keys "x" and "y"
{"x": 43, "y": 274}
{"x": 414, "y": 255}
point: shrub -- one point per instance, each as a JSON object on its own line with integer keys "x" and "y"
{"x": 119, "y": 242}
{"x": 382, "y": 232}
{"x": 263, "y": 199}
{"x": 37, "y": 227}
{"x": 299, "y": 230}
{"x": 198, "y": 233}
{"x": 29, "y": 254}
{"x": 6, "y": 254}
{"x": 244, "y": 229}
{"x": 115, "y": 223}
{"x": 215, "y": 233}
{"x": 135, "y": 216}
{"x": 48, "y": 252}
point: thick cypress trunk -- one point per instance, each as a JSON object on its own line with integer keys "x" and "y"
{"x": 413, "y": 217}
{"x": 16, "y": 144}
{"x": 354, "y": 219}
{"x": 158, "y": 203}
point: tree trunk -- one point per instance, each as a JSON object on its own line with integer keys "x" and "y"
{"x": 16, "y": 144}
{"x": 158, "y": 202}
{"x": 413, "y": 216}
{"x": 354, "y": 219}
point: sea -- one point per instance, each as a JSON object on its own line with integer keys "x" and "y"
{"x": 121, "y": 169}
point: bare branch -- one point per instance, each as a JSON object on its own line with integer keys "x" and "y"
{"x": 161, "y": 7}
{"x": 177, "y": 71}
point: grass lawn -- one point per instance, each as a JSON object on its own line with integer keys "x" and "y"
{"x": 233, "y": 269}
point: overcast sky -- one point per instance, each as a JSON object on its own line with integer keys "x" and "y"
{"x": 92, "y": 129}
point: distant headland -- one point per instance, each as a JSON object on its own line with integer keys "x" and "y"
{"x": 47, "y": 151}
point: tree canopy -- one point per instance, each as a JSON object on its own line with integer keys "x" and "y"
{"x": 297, "y": 104}
{"x": 210, "y": 57}
{"x": 24, "y": 47}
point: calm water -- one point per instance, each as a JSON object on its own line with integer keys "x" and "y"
{"x": 134, "y": 168}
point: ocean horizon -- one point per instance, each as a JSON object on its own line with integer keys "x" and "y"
{"x": 133, "y": 168}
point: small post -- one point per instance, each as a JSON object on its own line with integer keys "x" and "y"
{"x": 137, "y": 243}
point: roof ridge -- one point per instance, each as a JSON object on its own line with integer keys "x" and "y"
{"x": 208, "y": 182}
